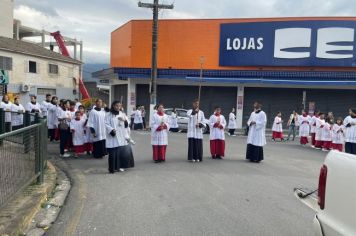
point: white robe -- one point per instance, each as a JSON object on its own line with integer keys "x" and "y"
{"x": 17, "y": 118}
{"x": 232, "y": 121}
{"x": 173, "y": 120}
{"x": 326, "y": 132}
{"x": 159, "y": 137}
{"x": 338, "y": 134}
{"x": 97, "y": 122}
{"x": 78, "y": 135}
{"x": 52, "y": 116}
{"x": 313, "y": 124}
{"x": 193, "y": 131}
{"x": 256, "y": 133}
{"x": 30, "y": 107}
{"x": 350, "y": 134}
{"x": 44, "y": 107}
{"x": 277, "y": 124}
{"x": 304, "y": 126}
{"x": 138, "y": 117}
{"x": 112, "y": 122}
{"x": 7, "y": 109}
{"x": 318, "y": 128}
{"x": 216, "y": 132}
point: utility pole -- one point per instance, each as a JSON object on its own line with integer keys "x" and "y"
{"x": 155, "y": 6}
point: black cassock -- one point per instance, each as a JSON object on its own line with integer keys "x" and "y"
{"x": 195, "y": 149}
{"x": 254, "y": 153}
{"x": 99, "y": 149}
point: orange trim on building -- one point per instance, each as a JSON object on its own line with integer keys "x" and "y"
{"x": 181, "y": 43}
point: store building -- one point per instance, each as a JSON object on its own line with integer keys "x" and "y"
{"x": 286, "y": 63}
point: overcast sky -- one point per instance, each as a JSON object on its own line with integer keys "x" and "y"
{"x": 92, "y": 20}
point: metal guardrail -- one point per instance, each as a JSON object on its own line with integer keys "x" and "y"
{"x": 23, "y": 155}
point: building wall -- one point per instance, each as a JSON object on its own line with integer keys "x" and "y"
{"x": 181, "y": 43}
{"x": 6, "y": 18}
{"x": 63, "y": 82}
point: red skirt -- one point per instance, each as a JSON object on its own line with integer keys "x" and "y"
{"x": 56, "y": 134}
{"x": 319, "y": 144}
{"x": 79, "y": 149}
{"x": 303, "y": 140}
{"x": 276, "y": 134}
{"x": 313, "y": 141}
{"x": 327, "y": 145}
{"x": 217, "y": 147}
{"x": 159, "y": 152}
{"x": 88, "y": 147}
{"x": 337, "y": 146}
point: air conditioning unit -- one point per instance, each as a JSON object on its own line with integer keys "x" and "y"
{"x": 25, "y": 88}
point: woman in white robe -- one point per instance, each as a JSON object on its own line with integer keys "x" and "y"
{"x": 217, "y": 135}
{"x": 159, "y": 134}
{"x": 304, "y": 127}
{"x": 256, "y": 135}
{"x": 120, "y": 154}
{"x": 232, "y": 123}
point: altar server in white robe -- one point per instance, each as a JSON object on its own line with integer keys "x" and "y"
{"x": 6, "y": 106}
{"x": 33, "y": 107}
{"x": 326, "y": 134}
{"x": 232, "y": 122}
{"x": 217, "y": 135}
{"x": 313, "y": 128}
{"x": 52, "y": 118}
{"x": 304, "y": 127}
{"x": 120, "y": 154}
{"x": 96, "y": 123}
{"x": 338, "y": 138}
{"x": 159, "y": 134}
{"x": 277, "y": 130}
{"x": 319, "y": 125}
{"x": 77, "y": 127}
{"x": 350, "y": 132}
{"x": 45, "y": 105}
{"x": 138, "y": 122}
{"x": 256, "y": 135}
{"x": 173, "y": 121}
{"x": 17, "y": 114}
{"x": 196, "y": 123}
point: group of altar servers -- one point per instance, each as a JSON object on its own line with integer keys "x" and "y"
{"x": 326, "y": 132}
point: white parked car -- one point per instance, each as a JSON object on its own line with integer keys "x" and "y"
{"x": 335, "y": 203}
{"x": 183, "y": 119}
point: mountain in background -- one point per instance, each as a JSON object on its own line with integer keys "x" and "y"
{"x": 90, "y": 68}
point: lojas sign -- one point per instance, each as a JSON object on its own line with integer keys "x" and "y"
{"x": 288, "y": 43}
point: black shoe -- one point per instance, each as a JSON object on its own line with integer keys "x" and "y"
{"x": 156, "y": 161}
{"x": 213, "y": 157}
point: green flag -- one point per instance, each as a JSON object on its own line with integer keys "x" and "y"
{"x": 4, "y": 77}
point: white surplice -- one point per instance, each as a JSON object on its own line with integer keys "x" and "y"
{"x": 117, "y": 123}
{"x": 97, "y": 122}
{"x": 7, "y": 109}
{"x": 277, "y": 124}
{"x": 17, "y": 115}
{"x": 78, "y": 135}
{"x": 256, "y": 133}
{"x": 338, "y": 136}
{"x": 232, "y": 121}
{"x": 194, "y": 120}
{"x": 138, "y": 117}
{"x": 216, "y": 132}
{"x": 326, "y": 132}
{"x": 159, "y": 137}
{"x": 319, "y": 128}
{"x": 350, "y": 132}
{"x": 304, "y": 126}
{"x": 52, "y": 116}
{"x": 173, "y": 120}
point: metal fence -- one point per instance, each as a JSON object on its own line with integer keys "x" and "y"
{"x": 23, "y": 154}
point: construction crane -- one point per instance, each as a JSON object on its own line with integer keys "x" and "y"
{"x": 64, "y": 51}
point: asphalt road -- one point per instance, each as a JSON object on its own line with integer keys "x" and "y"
{"x": 214, "y": 197}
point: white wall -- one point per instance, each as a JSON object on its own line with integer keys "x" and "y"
{"x": 62, "y": 82}
{"x": 6, "y": 18}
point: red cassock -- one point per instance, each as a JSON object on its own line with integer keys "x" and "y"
{"x": 303, "y": 140}
{"x": 276, "y": 134}
{"x": 217, "y": 147}
{"x": 159, "y": 152}
{"x": 337, "y": 146}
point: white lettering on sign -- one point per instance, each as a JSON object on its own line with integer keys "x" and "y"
{"x": 328, "y": 36}
{"x": 299, "y": 39}
{"x": 292, "y": 38}
{"x": 244, "y": 44}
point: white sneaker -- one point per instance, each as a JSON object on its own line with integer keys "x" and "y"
{"x": 234, "y": 135}
{"x": 197, "y": 160}
{"x": 132, "y": 142}
{"x": 228, "y": 134}
{"x": 121, "y": 170}
{"x": 312, "y": 146}
{"x": 65, "y": 155}
{"x": 193, "y": 160}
